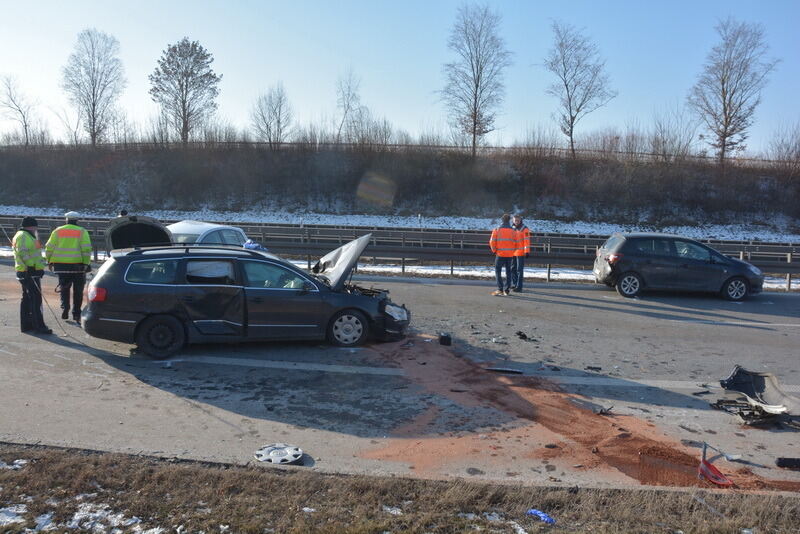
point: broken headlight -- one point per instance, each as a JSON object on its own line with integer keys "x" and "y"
{"x": 396, "y": 312}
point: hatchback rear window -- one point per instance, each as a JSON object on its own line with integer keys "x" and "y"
{"x": 152, "y": 272}
{"x": 613, "y": 242}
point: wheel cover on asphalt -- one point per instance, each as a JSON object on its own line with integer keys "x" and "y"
{"x": 347, "y": 329}
{"x": 630, "y": 285}
{"x": 736, "y": 289}
{"x": 161, "y": 336}
{"x": 279, "y": 453}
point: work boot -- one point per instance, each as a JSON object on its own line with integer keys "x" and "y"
{"x": 65, "y": 314}
{"x": 498, "y": 293}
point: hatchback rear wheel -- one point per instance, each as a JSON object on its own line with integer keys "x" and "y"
{"x": 160, "y": 336}
{"x": 629, "y": 284}
{"x": 348, "y": 328}
{"x": 735, "y": 289}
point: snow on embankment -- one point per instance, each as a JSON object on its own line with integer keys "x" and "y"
{"x": 777, "y": 231}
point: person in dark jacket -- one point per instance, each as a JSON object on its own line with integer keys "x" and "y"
{"x": 29, "y": 266}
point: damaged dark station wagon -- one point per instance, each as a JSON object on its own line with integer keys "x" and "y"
{"x": 164, "y": 297}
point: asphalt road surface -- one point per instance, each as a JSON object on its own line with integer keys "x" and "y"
{"x": 404, "y": 408}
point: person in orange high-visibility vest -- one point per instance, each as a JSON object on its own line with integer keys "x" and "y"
{"x": 503, "y": 244}
{"x": 523, "y": 251}
{"x": 69, "y": 253}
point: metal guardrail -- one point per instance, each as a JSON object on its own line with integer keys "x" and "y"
{"x": 444, "y": 245}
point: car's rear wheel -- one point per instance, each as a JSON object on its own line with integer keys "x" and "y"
{"x": 629, "y": 284}
{"x": 160, "y": 336}
{"x": 348, "y": 328}
{"x": 735, "y": 289}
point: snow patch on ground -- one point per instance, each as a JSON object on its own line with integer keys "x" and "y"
{"x": 13, "y": 514}
{"x": 780, "y": 229}
{"x": 15, "y": 465}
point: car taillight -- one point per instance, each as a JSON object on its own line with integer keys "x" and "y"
{"x": 97, "y": 294}
{"x": 613, "y": 258}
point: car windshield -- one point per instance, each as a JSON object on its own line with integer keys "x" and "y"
{"x": 185, "y": 238}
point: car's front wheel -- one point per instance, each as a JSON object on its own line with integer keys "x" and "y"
{"x": 348, "y": 328}
{"x": 629, "y": 284}
{"x": 735, "y": 289}
{"x": 160, "y": 336}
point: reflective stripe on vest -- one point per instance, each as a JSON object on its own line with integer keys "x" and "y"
{"x": 503, "y": 241}
{"x": 27, "y": 252}
{"x": 523, "y": 241}
{"x": 69, "y": 244}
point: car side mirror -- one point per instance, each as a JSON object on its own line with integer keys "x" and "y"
{"x": 307, "y": 286}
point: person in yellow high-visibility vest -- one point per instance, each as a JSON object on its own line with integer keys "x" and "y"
{"x": 69, "y": 254}
{"x": 29, "y": 267}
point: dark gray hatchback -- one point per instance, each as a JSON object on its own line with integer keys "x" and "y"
{"x": 164, "y": 297}
{"x": 638, "y": 261}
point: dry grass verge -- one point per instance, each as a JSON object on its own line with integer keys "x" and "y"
{"x": 192, "y": 497}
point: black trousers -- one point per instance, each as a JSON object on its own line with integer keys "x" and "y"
{"x": 30, "y": 308}
{"x": 72, "y": 281}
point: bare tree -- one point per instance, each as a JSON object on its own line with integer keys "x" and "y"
{"x": 16, "y": 106}
{"x": 474, "y": 88}
{"x": 272, "y": 116}
{"x": 93, "y": 78}
{"x": 582, "y": 84}
{"x": 784, "y": 149}
{"x": 72, "y": 124}
{"x": 185, "y": 86}
{"x": 673, "y": 134}
{"x": 348, "y": 99}
{"x": 728, "y": 91}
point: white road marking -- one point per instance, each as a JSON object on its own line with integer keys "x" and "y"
{"x": 45, "y": 363}
{"x": 627, "y": 383}
{"x": 291, "y": 366}
{"x": 60, "y": 356}
{"x": 5, "y": 351}
{"x": 731, "y": 323}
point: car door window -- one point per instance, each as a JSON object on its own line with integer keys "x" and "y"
{"x": 691, "y": 251}
{"x": 652, "y": 247}
{"x": 210, "y": 272}
{"x": 232, "y": 237}
{"x": 152, "y": 272}
{"x": 260, "y": 274}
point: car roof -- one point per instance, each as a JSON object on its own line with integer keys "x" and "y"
{"x": 628, "y": 235}
{"x": 196, "y": 227}
{"x": 195, "y": 250}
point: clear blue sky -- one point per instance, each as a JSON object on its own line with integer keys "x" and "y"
{"x": 654, "y": 51}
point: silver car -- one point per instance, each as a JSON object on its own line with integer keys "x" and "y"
{"x": 203, "y": 233}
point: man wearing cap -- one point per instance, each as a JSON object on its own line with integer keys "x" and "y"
{"x": 29, "y": 266}
{"x": 69, "y": 253}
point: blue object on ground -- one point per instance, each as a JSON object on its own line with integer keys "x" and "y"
{"x": 541, "y": 515}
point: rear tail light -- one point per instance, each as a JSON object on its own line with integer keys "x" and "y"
{"x": 97, "y": 294}
{"x": 613, "y": 258}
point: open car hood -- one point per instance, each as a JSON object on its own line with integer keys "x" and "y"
{"x": 337, "y": 265}
{"x": 136, "y": 231}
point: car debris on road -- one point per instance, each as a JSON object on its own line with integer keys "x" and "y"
{"x": 760, "y": 399}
